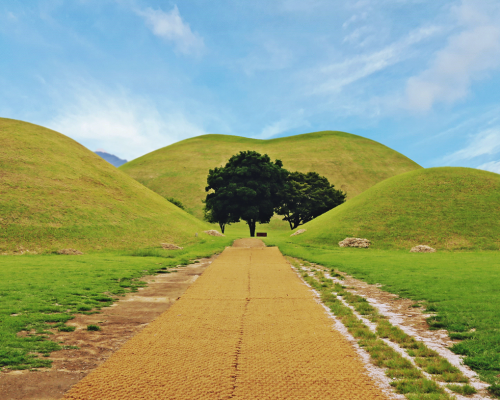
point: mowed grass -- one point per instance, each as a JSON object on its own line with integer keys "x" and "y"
{"x": 445, "y": 208}
{"x": 55, "y": 193}
{"x": 43, "y": 292}
{"x": 352, "y": 163}
{"x": 461, "y": 288}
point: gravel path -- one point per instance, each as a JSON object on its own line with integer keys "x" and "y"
{"x": 248, "y": 328}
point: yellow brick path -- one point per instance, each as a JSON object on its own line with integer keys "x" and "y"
{"x": 248, "y": 328}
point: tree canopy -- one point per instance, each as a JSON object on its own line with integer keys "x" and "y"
{"x": 247, "y": 188}
{"x": 307, "y": 196}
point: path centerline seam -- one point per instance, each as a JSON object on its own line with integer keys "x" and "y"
{"x": 240, "y": 340}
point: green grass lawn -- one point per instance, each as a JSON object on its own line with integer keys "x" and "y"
{"x": 463, "y": 288}
{"x": 44, "y": 291}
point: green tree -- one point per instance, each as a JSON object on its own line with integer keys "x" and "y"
{"x": 217, "y": 214}
{"x": 247, "y": 188}
{"x": 307, "y": 196}
{"x": 176, "y": 202}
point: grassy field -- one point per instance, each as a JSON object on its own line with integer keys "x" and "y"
{"x": 55, "y": 193}
{"x": 40, "y": 292}
{"x": 446, "y": 208}
{"x": 352, "y": 163}
{"x": 461, "y": 287}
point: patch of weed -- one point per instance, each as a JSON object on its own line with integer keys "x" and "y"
{"x": 461, "y": 335}
{"x": 386, "y": 330}
{"x": 93, "y": 328}
{"x": 494, "y": 390}
{"x": 66, "y": 328}
{"x": 406, "y": 386}
{"x": 464, "y": 390}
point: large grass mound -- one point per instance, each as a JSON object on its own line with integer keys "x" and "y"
{"x": 352, "y": 163}
{"x": 55, "y": 193}
{"x": 446, "y": 208}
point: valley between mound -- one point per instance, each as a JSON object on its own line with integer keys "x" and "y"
{"x": 350, "y": 162}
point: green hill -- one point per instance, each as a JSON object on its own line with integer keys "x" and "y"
{"x": 352, "y": 163}
{"x": 446, "y": 208}
{"x": 55, "y": 193}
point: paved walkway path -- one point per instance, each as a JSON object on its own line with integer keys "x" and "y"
{"x": 248, "y": 328}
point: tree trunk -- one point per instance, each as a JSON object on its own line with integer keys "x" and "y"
{"x": 222, "y": 226}
{"x": 251, "y": 225}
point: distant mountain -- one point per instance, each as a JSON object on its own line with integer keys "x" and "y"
{"x": 112, "y": 159}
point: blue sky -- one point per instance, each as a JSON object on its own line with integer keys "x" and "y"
{"x": 131, "y": 76}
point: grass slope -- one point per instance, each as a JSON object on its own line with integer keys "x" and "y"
{"x": 352, "y": 163}
{"x": 55, "y": 193}
{"x": 446, "y": 208}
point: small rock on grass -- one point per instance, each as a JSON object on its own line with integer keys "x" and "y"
{"x": 70, "y": 252}
{"x": 213, "y": 232}
{"x": 170, "y": 246}
{"x": 298, "y": 232}
{"x": 355, "y": 242}
{"x": 422, "y": 248}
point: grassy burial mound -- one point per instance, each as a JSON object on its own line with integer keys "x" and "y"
{"x": 446, "y": 208}
{"x": 55, "y": 193}
{"x": 352, "y": 163}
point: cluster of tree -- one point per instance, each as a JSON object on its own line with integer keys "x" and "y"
{"x": 250, "y": 187}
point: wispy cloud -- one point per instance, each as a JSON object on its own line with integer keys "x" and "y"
{"x": 171, "y": 27}
{"x": 283, "y": 125}
{"x": 333, "y": 77}
{"x": 485, "y": 143}
{"x": 467, "y": 56}
{"x": 492, "y": 166}
{"x": 354, "y": 18}
{"x": 124, "y": 125}
{"x": 360, "y": 36}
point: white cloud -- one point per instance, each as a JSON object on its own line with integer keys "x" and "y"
{"x": 335, "y": 76}
{"x": 125, "y": 126}
{"x": 484, "y": 143}
{"x": 356, "y": 36}
{"x": 354, "y": 18}
{"x": 171, "y": 27}
{"x": 467, "y": 56}
{"x": 492, "y": 166}
{"x": 282, "y": 125}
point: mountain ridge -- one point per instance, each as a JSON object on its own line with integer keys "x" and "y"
{"x": 111, "y": 158}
